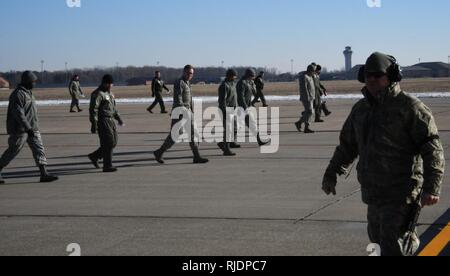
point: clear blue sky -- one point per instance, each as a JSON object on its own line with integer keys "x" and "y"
{"x": 205, "y": 32}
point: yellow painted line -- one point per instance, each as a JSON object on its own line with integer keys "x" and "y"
{"x": 438, "y": 244}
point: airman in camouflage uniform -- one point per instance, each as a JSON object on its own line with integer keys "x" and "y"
{"x": 400, "y": 154}
{"x": 182, "y": 98}
{"x": 245, "y": 89}
{"x": 23, "y": 127}
{"x": 227, "y": 99}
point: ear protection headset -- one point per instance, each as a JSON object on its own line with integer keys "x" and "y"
{"x": 394, "y": 72}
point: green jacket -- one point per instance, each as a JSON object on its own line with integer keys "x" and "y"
{"x": 75, "y": 89}
{"x": 259, "y": 82}
{"x": 227, "y": 95}
{"x": 158, "y": 86}
{"x": 22, "y": 112}
{"x": 103, "y": 107}
{"x": 245, "y": 90}
{"x": 398, "y": 145}
{"x": 182, "y": 94}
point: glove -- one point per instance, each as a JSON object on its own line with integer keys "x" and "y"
{"x": 30, "y": 133}
{"x": 121, "y": 123}
{"x": 329, "y": 182}
{"x": 93, "y": 129}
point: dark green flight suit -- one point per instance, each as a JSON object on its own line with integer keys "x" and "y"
{"x": 103, "y": 112}
{"x": 227, "y": 99}
{"x": 307, "y": 97}
{"x": 259, "y": 83}
{"x": 157, "y": 89}
{"x": 75, "y": 92}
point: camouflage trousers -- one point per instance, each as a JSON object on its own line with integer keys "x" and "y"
{"x": 388, "y": 227}
{"x": 16, "y": 143}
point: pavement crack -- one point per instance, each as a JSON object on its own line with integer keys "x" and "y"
{"x": 305, "y": 218}
{"x": 285, "y": 220}
{"x": 145, "y": 217}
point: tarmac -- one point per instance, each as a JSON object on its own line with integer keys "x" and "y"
{"x": 250, "y": 205}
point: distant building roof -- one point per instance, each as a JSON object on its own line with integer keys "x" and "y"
{"x": 434, "y": 65}
{"x": 356, "y": 68}
{"x": 4, "y": 83}
{"x": 415, "y": 68}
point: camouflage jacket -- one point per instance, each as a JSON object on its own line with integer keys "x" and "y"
{"x": 227, "y": 95}
{"x": 22, "y": 112}
{"x": 398, "y": 145}
{"x": 182, "y": 94}
{"x": 245, "y": 90}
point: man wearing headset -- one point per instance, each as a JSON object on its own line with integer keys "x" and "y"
{"x": 400, "y": 154}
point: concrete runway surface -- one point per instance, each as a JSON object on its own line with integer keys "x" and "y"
{"x": 252, "y": 204}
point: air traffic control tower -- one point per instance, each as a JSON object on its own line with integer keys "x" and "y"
{"x": 348, "y": 58}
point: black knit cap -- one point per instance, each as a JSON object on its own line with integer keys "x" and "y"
{"x": 107, "y": 79}
{"x": 28, "y": 77}
{"x": 232, "y": 73}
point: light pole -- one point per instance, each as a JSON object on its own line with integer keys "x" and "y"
{"x": 42, "y": 71}
{"x": 117, "y": 71}
{"x": 67, "y": 72}
{"x": 292, "y": 66}
{"x": 448, "y": 66}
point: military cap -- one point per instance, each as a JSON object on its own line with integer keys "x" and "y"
{"x": 28, "y": 77}
{"x": 250, "y": 72}
{"x": 378, "y": 63}
{"x": 107, "y": 79}
{"x": 232, "y": 72}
